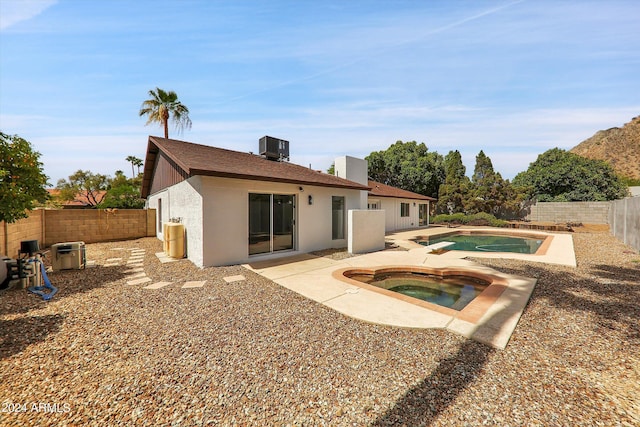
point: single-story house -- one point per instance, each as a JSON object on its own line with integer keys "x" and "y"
{"x": 403, "y": 209}
{"x": 238, "y": 207}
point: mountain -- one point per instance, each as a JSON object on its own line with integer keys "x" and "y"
{"x": 620, "y": 147}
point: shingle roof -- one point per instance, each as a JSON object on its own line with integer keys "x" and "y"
{"x": 379, "y": 189}
{"x": 197, "y": 159}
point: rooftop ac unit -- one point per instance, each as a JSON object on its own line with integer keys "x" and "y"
{"x": 274, "y": 148}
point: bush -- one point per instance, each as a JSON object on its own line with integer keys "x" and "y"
{"x": 481, "y": 218}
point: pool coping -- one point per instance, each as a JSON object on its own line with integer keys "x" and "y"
{"x": 542, "y": 249}
{"x": 472, "y": 312}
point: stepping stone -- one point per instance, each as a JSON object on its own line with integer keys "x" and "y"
{"x": 139, "y": 281}
{"x": 136, "y": 275}
{"x": 90, "y": 264}
{"x": 134, "y": 270}
{"x": 157, "y": 285}
{"x": 195, "y": 284}
{"x": 134, "y": 261}
{"x": 230, "y": 279}
{"x": 110, "y": 265}
{"x": 117, "y": 249}
{"x": 135, "y": 265}
{"x": 114, "y": 259}
{"x": 138, "y": 251}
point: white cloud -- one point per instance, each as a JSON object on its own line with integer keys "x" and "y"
{"x": 15, "y": 11}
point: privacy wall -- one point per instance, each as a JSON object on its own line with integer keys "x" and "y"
{"x": 72, "y": 225}
{"x": 624, "y": 221}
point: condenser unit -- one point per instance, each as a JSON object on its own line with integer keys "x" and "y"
{"x": 68, "y": 256}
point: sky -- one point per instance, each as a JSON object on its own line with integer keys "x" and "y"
{"x": 511, "y": 78}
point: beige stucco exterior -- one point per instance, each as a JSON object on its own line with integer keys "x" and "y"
{"x": 215, "y": 210}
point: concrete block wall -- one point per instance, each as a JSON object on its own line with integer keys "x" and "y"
{"x": 624, "y": 221}
{"x": 585, "y": 212}
{"x": 72, "y": 225}
{"x": 31, "y": 228}
{"x": 97, "y": 225}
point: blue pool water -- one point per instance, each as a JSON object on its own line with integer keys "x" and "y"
{"x": 453, "y": 292}
{"x": 487, "y": 243}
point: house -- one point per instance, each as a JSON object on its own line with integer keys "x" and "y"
{"x": 238, "y": 207}
{"x": 82, "y": 200}
{"x": 403, "y": 209}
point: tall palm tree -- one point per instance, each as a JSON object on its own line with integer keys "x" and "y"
{"x": 163, "y": 105}
{"x": 134, "y": 162}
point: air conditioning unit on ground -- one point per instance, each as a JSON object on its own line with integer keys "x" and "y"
{"x": 68, "y": 256}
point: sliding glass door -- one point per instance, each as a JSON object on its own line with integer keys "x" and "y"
{"x": 271, "y": 222}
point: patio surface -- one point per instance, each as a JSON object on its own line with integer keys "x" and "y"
{"x": 313, "y": 277}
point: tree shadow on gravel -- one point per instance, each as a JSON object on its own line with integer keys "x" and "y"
{"x": 420, "y": 405}
{"x": 423, "y": 403}
{"x": 612, "y": 295}
{"x": 17, "y": 334}
{"x": 16, "y": 300}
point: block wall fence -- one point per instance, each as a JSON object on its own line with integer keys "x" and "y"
{"x": 585, "y": 212}
{"x": 73, "y": 225}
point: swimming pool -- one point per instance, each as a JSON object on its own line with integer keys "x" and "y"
{"x": 483, "y": 242}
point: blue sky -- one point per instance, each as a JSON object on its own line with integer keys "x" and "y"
{"x": 513, "y": 78}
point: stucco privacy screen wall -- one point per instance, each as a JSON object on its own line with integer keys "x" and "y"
{"x": 72, "y": 225}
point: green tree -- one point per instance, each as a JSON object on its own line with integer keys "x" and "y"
{"x": 561, "y": 176}
{"x": 22, "y": 179}
{"x": 408, "y": 165}
{"x": 123, "y": 193}
{"x": 85, "y": 187}
{"x": 162, "y": 106}
{"x": 453, "y": 192}
{"x": 490, "y": 193}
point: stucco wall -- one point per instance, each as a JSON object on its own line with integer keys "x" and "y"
{"x": 215, "y": 212}
{"x": 393, "y": 220}
{"x": 366, "y": 231}
{"x": 184, "y": 203}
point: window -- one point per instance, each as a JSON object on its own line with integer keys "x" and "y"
{"x": 373, "y": 205}
{"x": 337, "y": 217}
{"x": 404, "y": 209}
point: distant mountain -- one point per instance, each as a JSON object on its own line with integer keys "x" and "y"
{"x": 620, "y": 147}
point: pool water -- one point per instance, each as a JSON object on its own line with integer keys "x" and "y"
{"x": 487, "y": 243}
{"x": 454, "y": 292}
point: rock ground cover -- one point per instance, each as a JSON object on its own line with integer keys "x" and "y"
{"x": 250, "y": 352}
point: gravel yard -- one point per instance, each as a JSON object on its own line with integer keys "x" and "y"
{"x": 253, "y": 353}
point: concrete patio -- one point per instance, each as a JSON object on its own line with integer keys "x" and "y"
{"x": 314, "y": 277}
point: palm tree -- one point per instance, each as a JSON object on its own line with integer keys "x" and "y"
{"x": 163, "y": 105}
{"x": 138, "y": 163}
{"x": 134, "y": 162}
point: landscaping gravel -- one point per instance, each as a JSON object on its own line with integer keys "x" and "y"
{"x": 250, "y": 352}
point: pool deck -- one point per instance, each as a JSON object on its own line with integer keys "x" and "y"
{"x": 313, "y": 277}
